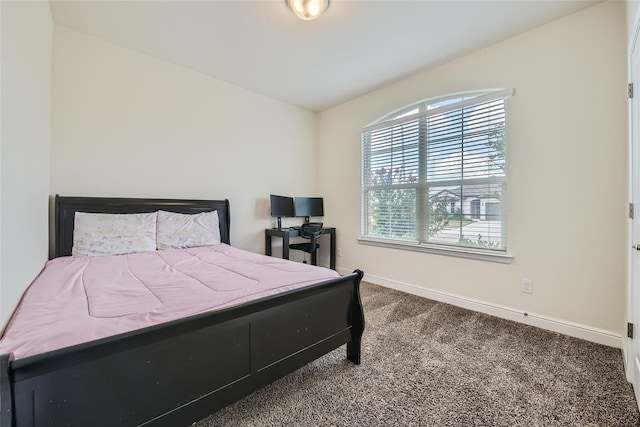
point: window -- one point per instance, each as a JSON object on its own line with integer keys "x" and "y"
{"x": 434, "y": 174}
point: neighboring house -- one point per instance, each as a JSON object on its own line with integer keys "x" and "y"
{"x": 477, "y": 202}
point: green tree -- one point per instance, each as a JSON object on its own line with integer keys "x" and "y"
{"x": 392, "y": 207}
{"x": 497, "y": 147}
{"x": 438, "y": 216}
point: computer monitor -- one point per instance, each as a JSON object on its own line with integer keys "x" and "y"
{"x": 282, "y": 206}
{"x": 309, "y": 206}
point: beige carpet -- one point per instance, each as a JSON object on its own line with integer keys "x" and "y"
{"x": 426, "y": 363}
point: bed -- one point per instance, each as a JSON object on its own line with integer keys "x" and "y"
{"x": 179, "y": 371}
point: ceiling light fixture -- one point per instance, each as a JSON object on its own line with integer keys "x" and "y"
{"x": 308, "y": 9}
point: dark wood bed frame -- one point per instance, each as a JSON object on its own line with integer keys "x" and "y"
{"x": 178, "y": 372}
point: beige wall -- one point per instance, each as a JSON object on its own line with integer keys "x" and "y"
{"x": 24, "y": 146}
{"x": 126, "y": 124}
{"x": 567, "y": 190}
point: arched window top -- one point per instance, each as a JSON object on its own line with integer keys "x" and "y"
{"x": 424, "y": 106}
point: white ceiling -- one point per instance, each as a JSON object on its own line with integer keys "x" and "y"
{"x": 354, "y": 48}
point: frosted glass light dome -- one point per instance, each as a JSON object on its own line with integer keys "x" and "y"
{"x": 308, "y": 9}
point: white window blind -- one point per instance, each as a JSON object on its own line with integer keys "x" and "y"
{"x": 436, "y": 173}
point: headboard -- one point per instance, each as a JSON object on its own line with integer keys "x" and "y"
{"x": 66, "y": 207}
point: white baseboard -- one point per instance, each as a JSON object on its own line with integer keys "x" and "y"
{"x": 572, "y": 329}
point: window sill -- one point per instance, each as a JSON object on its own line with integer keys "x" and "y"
{"x": 477, "y": 254}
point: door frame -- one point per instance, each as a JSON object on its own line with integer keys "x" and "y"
{"x": 633, "y": 170}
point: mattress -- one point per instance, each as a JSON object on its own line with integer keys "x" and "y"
{"x": 79, "y": 299}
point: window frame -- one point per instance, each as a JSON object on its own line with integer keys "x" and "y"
{"x": 423, "y": 243}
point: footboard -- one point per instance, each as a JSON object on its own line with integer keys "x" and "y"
{"x": 179, "y": 372}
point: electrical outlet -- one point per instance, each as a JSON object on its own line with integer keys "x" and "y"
{"x": 527, "y": 286}
{"x": 339, "y": 252}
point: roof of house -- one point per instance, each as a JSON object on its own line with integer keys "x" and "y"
{"x": 468, "y": 191}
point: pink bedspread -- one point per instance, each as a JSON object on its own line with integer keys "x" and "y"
{"x": 75, "y": 300}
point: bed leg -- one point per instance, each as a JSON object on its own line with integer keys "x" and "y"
{"x": 6, "y": 390}
{"x": 357, "y": 316}
{"x": 353, "y": 351}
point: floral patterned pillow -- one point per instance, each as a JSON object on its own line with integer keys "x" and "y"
{"x": 176, "y": 231}
{"x": 113, "y": 234}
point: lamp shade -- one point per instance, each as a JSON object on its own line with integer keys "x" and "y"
{"x": 308, "y": 9}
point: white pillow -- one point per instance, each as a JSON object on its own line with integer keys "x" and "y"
{"x": 113, "y": 234}
{"x": 177, "y": 231}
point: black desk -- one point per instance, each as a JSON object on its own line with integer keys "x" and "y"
{"x": 287, "y": 233}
